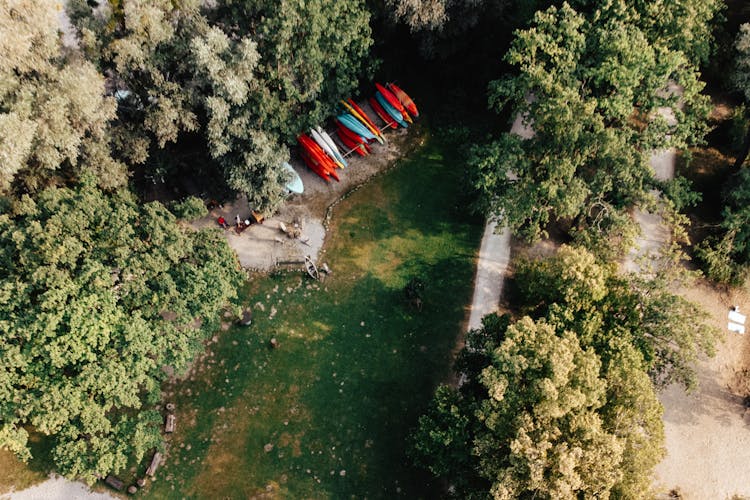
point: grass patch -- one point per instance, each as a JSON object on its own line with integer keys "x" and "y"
{"x": 356, "y": 365}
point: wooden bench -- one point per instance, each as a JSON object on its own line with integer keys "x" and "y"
{"x": 114, "y": 482}
{"x": 169, "y": 424}
{"x": 155, "y": 462}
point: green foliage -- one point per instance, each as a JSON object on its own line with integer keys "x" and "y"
{"x": 563, "y": 406}
{"x": 590, "y": 85}
{"x": 53, "y": 116}
{"x": 97, "y": 295}
{"x": 245, "y": 77}
{"x": 189, "y": 208}
{"x": 598, "y": 303}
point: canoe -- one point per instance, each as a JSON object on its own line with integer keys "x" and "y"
{"x": 356, "y": 126}
{"x": 295, "y": 184}
{"x": 317, "y": 154}
{"x": 314, "y": 166}
{"x": 325, "y": 147}
{"x": 363, "y": 121}
{"x": 351, "y": 145}
{"x": 311, "y": 269}
{"x": 393, "y": 101}
{"x": 404, "y": 98}
{"x": 329, "y": 140}
{"x": 350, "y": 139}
{"x": 393, "y": 112}
{"x": 389, "y": 122}
{"x": 366, "y": 117}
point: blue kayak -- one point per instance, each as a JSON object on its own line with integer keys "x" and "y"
{"x": 393, "y": 112}
{"x": 295, "y": 184}
{"x": 356, "y": 126}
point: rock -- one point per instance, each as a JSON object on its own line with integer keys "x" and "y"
{"x": 141, "y": 482}
{"x": 132, "y": 489}
{"x": 268, "y": 447}
{"x": 170, "y": 406}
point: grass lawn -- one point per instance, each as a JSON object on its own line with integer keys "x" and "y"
{"x": 356, "y": 365}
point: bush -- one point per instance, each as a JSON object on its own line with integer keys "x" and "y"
{"x": 189, "y": 208}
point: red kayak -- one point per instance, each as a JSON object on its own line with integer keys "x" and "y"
{"x": 314, "y": 166}
{"x": 388, "y": 119}
{"x": 351, "y": 140}
{"x": 316, "y": 158}
{"x": 393, "y": 101}
{"x": 350, "y": 133}
{"x": 404, "y": 98}
{"x": 351, "y": 145}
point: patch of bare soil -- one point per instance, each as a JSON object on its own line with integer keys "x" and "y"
{"x": 264, "y": 246}
{"x": 707, "y": 432}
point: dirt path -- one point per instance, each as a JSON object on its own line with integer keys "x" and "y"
{"x": 706, "y": 433}
{"x": 494, "y": 256}
{"x": 57, "y": 488}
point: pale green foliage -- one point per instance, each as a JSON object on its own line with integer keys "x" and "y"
{"x": 541, "y": 432}
{"x": 589, "y": 85}
{"x": 97, "y": 295}
{"x": 421, "y": 14}
{"x": 53, "y": 113}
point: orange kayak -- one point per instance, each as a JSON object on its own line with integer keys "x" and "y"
{"x": 404, "y": 98}
{"x": 393, "y": 101}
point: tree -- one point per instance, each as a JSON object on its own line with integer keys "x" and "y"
{"x": 549, "y": 423}
{"x": 241, "y": 78}
{"x": 572, "y": 290}
{"x": 561, "y": 406}
{"x": 590, "y": 85}
{"x": 53, "y": 115}
{"x": 98, "y": 294}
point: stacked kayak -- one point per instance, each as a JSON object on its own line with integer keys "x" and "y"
{"x": 356, "y": 130}
{"x": 294, "y": 185}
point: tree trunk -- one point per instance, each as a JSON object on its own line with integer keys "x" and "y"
{"x": 745, "y": 150}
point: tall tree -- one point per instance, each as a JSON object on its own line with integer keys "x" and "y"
{"x": 98, "y": 294}
{"x": 53, "y": 114}
{"x": 543, "y": 417}
{"x": 244, "y": 78}
{"x": 590, "y": 85}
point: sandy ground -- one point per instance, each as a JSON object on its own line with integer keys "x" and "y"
{"x": 264, "y": 246}
{"x": 706, "y": 432}
{"x": 57, "y": 488}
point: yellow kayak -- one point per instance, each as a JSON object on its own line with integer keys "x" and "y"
{"x": 378, "y": 135}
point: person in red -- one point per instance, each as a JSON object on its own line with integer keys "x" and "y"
{"x": 223, "y": 223}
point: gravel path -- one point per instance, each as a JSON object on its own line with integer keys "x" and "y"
{"x": 57, "y": 488}
{"x": 494, "y": 256}
{"x": 706, "y": 432}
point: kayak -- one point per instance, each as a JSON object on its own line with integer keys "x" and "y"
{"x": 351, "y": 145}
{"x": 352, "y": 140}
{"x": 355, "y": 126}
{"x": 362, "y": 120}
{"x": 389, "y": 122}
{"x": 393, "y": 101}
{"x": 317, "y": 154}
{"x": 314, "y": 166}
{"x": 366, "y": 117}
{"x": 331, "y": 144}
{"x": 393, "y": 112}
{"x": 325, "y": 147}
{"x": 404, "y": 98}
{"x": 295, "y": 184}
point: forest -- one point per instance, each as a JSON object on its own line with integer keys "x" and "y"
{"x": 116, "y": 131}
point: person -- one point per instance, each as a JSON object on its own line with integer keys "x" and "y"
{"x": 237, "y": 220}
{"x": 223, "y": 222}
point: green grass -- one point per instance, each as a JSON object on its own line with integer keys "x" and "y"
{"x": 356, "y": 365}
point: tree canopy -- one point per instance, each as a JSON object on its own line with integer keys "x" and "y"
{"x": 561, "y": 403}
{"x": 590, "y": 84}
{"x": 97, "y": 295}
{"x": 54, "y": 117}
{"x": 242, "y": 79}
